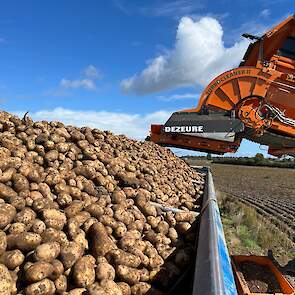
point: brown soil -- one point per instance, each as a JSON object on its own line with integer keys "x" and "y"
{"x": 270, "y": 191}
{"x": 259, "y": 278}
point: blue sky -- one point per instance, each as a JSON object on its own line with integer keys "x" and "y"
{"x": 121, "y": 65}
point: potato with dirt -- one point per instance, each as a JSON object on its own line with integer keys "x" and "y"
{"x": 38, "y": 271}
{"x": 78, "y": 214}
{"x": 12, "y": 259}
{"x": 43, "y": 287}
{"x": 128, "y": 274}
{"x": 84, "y": 271}
{"x": 105, "y": 271}
{"x": 7, "y": 213}
{"x": 101, "y": 242}
{"x": 54, "y": 218}
{"x": 70, "y": 253}
{"x": 6, "y": 281}
{"x": 3, "y": 242}
{"x": 47, "y": 251}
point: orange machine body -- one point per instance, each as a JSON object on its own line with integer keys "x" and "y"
{"x": 260, "y": 93}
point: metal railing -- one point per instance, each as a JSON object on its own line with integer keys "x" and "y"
{"x": 213, "y": 272}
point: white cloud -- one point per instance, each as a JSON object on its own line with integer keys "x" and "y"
{"x": 87, "y": 84}
{"x": 174, "y": 8}
{"x": 198, "y": 56}
{"x": 133, "y": 125}
{"x": 178, "y": 96}
{"x": 92, "y": 72}
{"x": 85, "y": 81}
{"x": 265, "y": 12}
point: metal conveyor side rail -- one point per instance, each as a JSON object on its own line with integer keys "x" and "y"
{"x": 213, "y": 271}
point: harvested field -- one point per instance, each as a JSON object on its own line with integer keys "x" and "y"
{"x": 271, "y": 191}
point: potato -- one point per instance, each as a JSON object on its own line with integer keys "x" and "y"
{"x": 3, "y": 242}
{"x": 105, "y": 271}
{"x": 27, "y": 241}
{"x": 118, "y": 197}
{"x": 83, "y": 272}
{"x": 40, "y": 204}
{"x": 53, "y": 235}
{"x": 54, "y": 218}
{"x": 144, "y": 275}
{"x": 156, "y": 261}
{"x": 120, "y": 230}
{"x": 101, "y": 242}
{"x": 172, "y": 234}
{"x": 51, "y": 156}
{"x": 6, "y": 192}
{"x": 140, "y": 288}
{"x": 137, "y": 225}
{"x": 170, "y": 218}
{"x": 111, "y": 287}
{"x": 95, "y": 210}
{"x": 38, "y": 271}
{"x": 153, "y": 221}
{"x": 124, "y": 258}
{"x": 7, "y": 213}
{"x": 76, "y": 211}
{"x": 64, "y": 199}
{"x": 70, "y": 253}
{"x": 38, "y": 226}
{"x": 183, "y": 227}
{"x": 58, "y": 269}
{"x": 87, "y": 224}
{"x": 20, "y": 183}
{"x": 12, "y": 259}
{"x": 47, "y": 251}
{"x": 163, "y": 227}
{"x": 185, "y": 217}
{"x": 43, "y": 287}
{"x": 125, "y": 288}
{"x": 44, "y": 189}
{"x": 81, "y": 217}
{"x": 7, "y": 175}
{"x": 18, "y": 201}
{"x": 6, "y": 281}
{"x": 74, "y": 208}
{"x": 61, "y": 284}
{"x": 14, "y": 277}
{"x": 128, "y": 274}
{"x": 73, "y": 227}
{"x": 96, "y": 289}
{"x": 25, "y": 216}
{"x": 17, "y": 228}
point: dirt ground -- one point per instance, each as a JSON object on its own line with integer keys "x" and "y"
{"x": 271, "y": 191}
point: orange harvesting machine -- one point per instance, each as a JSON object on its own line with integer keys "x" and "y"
{"x": 255, "y": 101}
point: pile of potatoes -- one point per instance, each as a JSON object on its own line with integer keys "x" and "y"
{"x": 79, "y": 214}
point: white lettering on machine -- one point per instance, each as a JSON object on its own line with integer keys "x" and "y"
{"x": 182, "y": 129}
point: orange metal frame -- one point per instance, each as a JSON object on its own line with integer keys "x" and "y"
{"x": 192, "y": 142}
{"x": 244, "y": 89}
{"x": 260, "y": 260}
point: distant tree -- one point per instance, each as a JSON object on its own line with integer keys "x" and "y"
{"x": 259, "y": 156}
{"x": 209, "y": 156}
